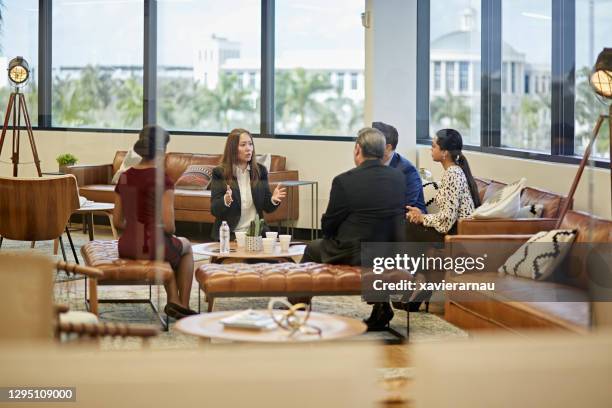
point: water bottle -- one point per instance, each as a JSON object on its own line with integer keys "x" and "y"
{"x": 224, "y": 238}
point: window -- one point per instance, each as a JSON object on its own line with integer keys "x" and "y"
{"x": 437, "y": 76}
{"x": 19, "y": 37}
{"x": 526, "y": 123}
{"x": 450, "y": 76}
{"x": 307, "y": 53}
{"x": 593, "y": 33}
{"x": 464, "y": 74}
{"x": 340, "y": 81}
{"x": 97, "y": 64}
{"x": 354, "y": 84}
{"x": 208, "y": 94}
{"x": 455, "y": 39}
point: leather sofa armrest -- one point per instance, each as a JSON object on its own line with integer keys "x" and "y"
{"x": 495, "y": 249}
{"x": 91, "y": 174}
{"x": 504, "y": 226}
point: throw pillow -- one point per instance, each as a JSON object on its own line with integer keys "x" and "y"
{"x": 265, "y": 160}
{"x": 530, "y": 211}
{"x": 540, "y": 255}
{"x": 196, "y": 177}
{"x": 131, "y": 159}
{"x": 505, "y": 203}
{"x": 430, "y": 190}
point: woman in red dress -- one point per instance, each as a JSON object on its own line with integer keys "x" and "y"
{"x": 135, "y": 214}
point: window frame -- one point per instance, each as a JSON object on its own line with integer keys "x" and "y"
{"x": 563, "y": 46}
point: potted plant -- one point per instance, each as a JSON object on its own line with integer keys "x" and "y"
{"x": 253, "y": 237}
{"x": 66, "y": 159}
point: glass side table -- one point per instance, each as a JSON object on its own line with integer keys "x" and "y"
{"x": 314, "y": 203}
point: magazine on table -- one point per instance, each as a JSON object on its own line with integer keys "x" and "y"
{"x": 249, "y": 319}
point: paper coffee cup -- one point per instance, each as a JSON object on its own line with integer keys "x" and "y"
{"x": 268, "y": 245}
{"x": 285, "y": 241}
{"x": 271, "y": 234}
{"x": 240, "y": 239}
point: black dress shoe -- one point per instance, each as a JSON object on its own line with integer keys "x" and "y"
{"x": 408, "y": 306}
{"x": 382, "y": 313}
{"x": 182, "y": 310}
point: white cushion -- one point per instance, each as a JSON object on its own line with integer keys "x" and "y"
{"x": 505, "y": 203}
{"x": 78, "y": 317}
{"x": 530, "y": 211}
{"x": 265, "y": 160}
{"x": 430, "y": 190}
{"x": 540, "y": 255}
{"x": 131, "y": 159}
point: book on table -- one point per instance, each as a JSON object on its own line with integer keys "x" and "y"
{"x": 249, "y": 319}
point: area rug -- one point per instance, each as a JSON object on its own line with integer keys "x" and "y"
{"x": 423, "y": 326}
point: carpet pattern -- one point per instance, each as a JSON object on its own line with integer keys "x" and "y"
{"x": 423, "y": 326}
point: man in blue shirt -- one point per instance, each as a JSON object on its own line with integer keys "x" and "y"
{"x": 414, "y": 186}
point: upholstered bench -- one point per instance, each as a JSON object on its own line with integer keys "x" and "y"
{"x": 281, "y": 279}
{"x": 104, "y": 255}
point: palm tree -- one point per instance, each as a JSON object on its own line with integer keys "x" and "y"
{"x": 68, "y": 107}
{"x": 587, "y": 110}
{"x": 453, "y": 109}
{"x": 226, "y": 98}
{"x": 296, "y": 95}
{"x": 130, "y": 102}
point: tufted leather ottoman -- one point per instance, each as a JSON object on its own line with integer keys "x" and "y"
{"x": 281, "y": 279}
{"x": 104, "y": 255}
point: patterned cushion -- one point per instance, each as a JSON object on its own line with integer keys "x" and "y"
{"x": 530, "y": 211}
{"x": 540, "y": 255}
{"x": 196, "y": 177}
{"x": 505, "y": 203}
{"x": 430, "y": 189}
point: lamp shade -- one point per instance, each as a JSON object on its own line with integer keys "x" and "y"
{"x": 601, "y": 77}
{"x": 18, "y": 71}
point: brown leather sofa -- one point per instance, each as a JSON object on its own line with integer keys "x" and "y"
{"x": 552, "y": 203}
{"x": 189, "y": 205}
{"x": 516, "y": 303}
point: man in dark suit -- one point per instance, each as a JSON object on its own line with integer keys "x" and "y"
{"x": 366, "y": 204}
{"x": 414, "y": 186}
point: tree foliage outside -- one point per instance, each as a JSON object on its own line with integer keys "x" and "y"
{"x": 587, "y": 109}
{"x": 450, "y": 111}
{"x": 306, "y": 103}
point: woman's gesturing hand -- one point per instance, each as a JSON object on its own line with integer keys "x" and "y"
{"x": 228, "y": 196}
{"x": 279, "y": 193}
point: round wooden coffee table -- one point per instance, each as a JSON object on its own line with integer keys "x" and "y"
{"x": 238, "y": 254}
{"x": 207, "y": 325}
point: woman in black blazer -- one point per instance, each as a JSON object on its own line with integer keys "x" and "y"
{"x": 240, "y": 189}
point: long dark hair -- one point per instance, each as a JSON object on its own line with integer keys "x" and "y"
{"x": 230, "y": 156}
{"x": 451, "y": 141}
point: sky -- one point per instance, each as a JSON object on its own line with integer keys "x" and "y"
{"x": 110, "y": 32}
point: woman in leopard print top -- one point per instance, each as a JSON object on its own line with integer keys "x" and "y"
{"x": 457, "y": 196}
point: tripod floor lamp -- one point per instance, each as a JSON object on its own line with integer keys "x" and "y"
{"x": 601, "y": 82}
{"x": 18, "y": 74}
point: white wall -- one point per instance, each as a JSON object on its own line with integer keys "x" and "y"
{"x": 391, "y": 68}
